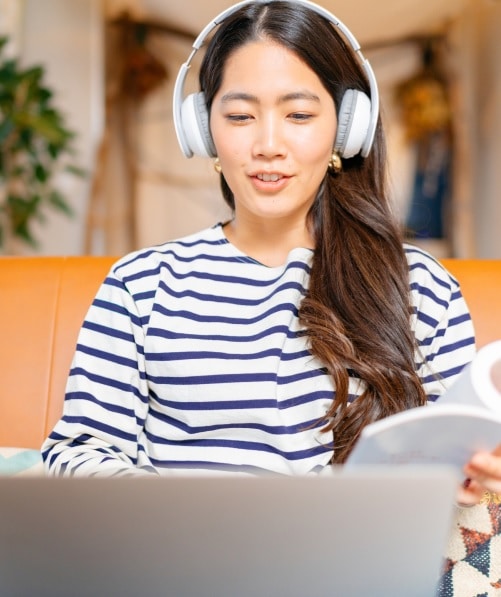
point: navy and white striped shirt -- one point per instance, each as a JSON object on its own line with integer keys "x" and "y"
{"x": 189, "y": 359}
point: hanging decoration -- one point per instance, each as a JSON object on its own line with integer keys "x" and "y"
{"x": 133, "y": 72}
{"x": 426, "y": 111}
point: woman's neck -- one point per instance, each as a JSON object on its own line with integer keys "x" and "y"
{"x": 268, "y": 242}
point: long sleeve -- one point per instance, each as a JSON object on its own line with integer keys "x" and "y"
{"x": 441, "y": 322}
{"x": 106, "y": 395}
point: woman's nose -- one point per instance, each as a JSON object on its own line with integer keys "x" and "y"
{"x": 270, "y": 140}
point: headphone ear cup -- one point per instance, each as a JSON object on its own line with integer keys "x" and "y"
{"x": 195, "y": 124}
{"x": 353, "y": 123}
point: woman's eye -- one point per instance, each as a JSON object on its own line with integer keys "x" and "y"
{"x": 238, "y": 117}
{"x": 300, "y": 116}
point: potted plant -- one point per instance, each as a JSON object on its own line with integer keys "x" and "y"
{"x": 35, "y": 144}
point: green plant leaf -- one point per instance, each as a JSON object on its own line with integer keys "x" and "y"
{"x": 6, "y": 128}
{"x": 20, "y": 210}
{"x": 43, "y": 125}
{"x": 41, "y": 174}
{"x": 34, "y": 139}
{"x": 9, "y": 74}
{"x": 25, "y": 234}
{"x": 58, "y": 202}
{"x": 76, "y": 170}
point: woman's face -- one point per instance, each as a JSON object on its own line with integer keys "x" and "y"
{"x": 273, "y": 125}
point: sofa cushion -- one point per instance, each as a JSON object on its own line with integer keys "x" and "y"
{"x": 473, "y": 555}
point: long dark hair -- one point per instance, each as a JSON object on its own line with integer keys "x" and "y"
{"x": 357, "y": 311}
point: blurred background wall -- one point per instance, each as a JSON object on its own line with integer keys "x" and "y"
{"x": 112, "y": 65}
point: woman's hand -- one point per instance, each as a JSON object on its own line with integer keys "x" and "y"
{"x": 483, "y": 473}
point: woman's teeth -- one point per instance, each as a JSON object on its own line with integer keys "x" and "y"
{"x": 269, "y": 177}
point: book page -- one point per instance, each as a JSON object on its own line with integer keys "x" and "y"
{"x": 463, "y": 421}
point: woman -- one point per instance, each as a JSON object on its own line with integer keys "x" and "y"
{"x": 268, "y": 342}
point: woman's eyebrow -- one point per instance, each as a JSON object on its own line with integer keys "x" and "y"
{"x": 293, "y": 95}
{"x": 299, "y": 95}
{"x": 239, "y": 95}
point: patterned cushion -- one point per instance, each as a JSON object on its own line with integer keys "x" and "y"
{"x": 20, "y": 461}
{"x": 473, "y": 557}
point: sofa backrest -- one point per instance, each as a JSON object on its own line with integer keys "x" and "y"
{"x": 480, "y": 281}
{"x": 43, "y": 301}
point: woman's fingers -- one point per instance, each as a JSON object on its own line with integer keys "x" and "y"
{"x": 469, "y": 493}
{"x": 484, "y": 469}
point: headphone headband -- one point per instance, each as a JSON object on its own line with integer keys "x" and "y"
{"x": 202, "y": 36}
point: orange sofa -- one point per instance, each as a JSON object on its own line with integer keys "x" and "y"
{"x": 44, "y": 299}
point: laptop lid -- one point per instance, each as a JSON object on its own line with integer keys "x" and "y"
{"x": 380, "y": 531}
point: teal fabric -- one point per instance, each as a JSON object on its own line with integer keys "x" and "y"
{"x": 14, "y": 461}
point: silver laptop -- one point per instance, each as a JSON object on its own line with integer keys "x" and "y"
{"x": 371, "y": 532}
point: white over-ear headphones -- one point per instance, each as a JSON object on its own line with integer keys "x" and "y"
{"x": 357, "y": 117}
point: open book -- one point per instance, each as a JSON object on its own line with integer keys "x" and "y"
{"x": 467, "y": 418}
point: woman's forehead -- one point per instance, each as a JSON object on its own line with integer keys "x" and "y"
{"x": 258, "y": 64}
